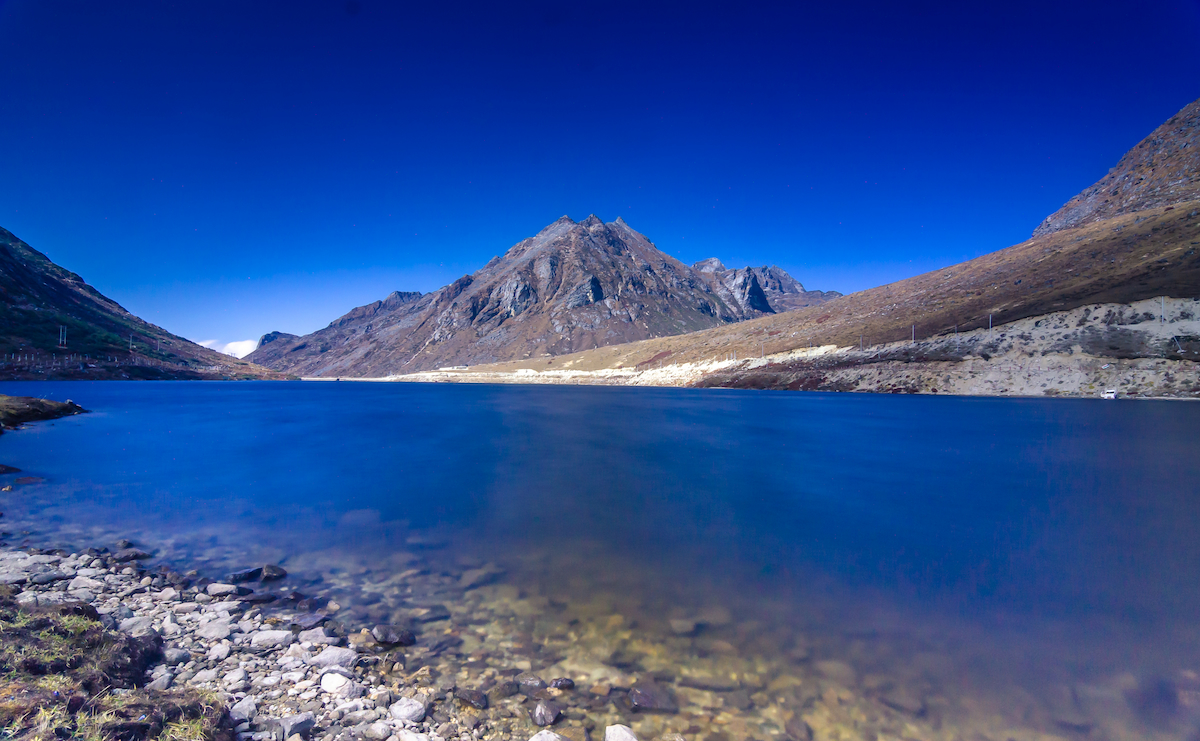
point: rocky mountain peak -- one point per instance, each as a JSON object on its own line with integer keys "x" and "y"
{"x": 573, "y": 286}
{"x": 1163, "y": 169}
{"x": 711, "y": 265}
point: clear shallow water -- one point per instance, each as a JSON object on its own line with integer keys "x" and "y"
{"x": 1033, "y": 547}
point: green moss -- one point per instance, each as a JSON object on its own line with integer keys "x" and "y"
{"x": 63, "y": 676}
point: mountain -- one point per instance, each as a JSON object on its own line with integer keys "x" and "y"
{"x": 572, "y": 286}
{"x": 779, "y": 290}
{"x": 1163, "y": 169}
{"x": 1143, "y": 243}
{"x": 38, "y": 299}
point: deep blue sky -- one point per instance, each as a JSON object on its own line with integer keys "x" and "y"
{"x": 228, "y": 168}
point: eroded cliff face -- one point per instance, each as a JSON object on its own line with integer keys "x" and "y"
{"x": 763, "y": 290}
{"x": 573, "y": 286}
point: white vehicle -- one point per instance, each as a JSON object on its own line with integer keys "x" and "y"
{"x": 1109, "y": 394}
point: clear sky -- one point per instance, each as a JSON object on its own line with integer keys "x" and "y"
{"x": 224, "y": 169}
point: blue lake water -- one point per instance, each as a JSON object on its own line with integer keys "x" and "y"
{"x": 1039, "y": 543}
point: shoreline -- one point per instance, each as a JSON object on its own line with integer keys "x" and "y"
{"x": 1081, "y": 353}
{"x": 281, "y": 663}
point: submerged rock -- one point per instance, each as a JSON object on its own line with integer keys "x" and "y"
{"x": 649, "y": 697}
{"x": 474, "y": 698}
{"x": 245, "y": 575}
{"x": 546, "y": 713}
{"x": 619, "y": 733}
{"x": 392, "y": 635}
{"x": 528, "y": 683}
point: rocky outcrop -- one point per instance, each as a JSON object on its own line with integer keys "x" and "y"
{"x": 572, "y": 286}
{"x": 1163, "y": 169}
{"x": 18, "y": 410}
{"x": 758, "y": 291}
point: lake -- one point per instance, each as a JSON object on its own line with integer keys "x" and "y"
{"x": 885, "y": 566}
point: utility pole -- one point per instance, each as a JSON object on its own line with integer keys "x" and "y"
{"x": 914, "y": 334}
{"x": 1162, "y": 311}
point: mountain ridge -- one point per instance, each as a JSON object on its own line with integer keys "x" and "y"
{"x": 1160, "y": 170}
{"x": 38, "y": 298}
{"x": 571, "y": 286}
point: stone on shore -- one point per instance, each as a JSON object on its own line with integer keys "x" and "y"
{"x": 318, "y": 636}
{"x": 548, "y": 735}
{"x": 214, "y": 631}
{"x": 243, "y": 710}
{"x": 408, "y": 709}
{"x": 300, "y": 724}
{"x": 271, "y": 639}
{"x": 137, "y": 626}
{"x": 333, "y": 656}
{"x": 220, "y": 590}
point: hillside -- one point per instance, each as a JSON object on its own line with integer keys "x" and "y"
{"x": 572, "y": 286}
{"x": 38, "y": 299}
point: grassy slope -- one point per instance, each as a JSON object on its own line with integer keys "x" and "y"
{"x": 1121, "y": 260}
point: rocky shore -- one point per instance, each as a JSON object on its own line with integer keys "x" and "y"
{"x": 238, "y": 662}
{"x": 421, "y": 653}
{"x": 18, "y": 410}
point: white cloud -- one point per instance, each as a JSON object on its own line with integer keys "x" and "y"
{"x": 241, "y": 348}
{"x": 206, "y": 343}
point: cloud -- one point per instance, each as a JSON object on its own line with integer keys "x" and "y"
{"x": 206, "y": 343}
{"x": 241, "y": 348}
